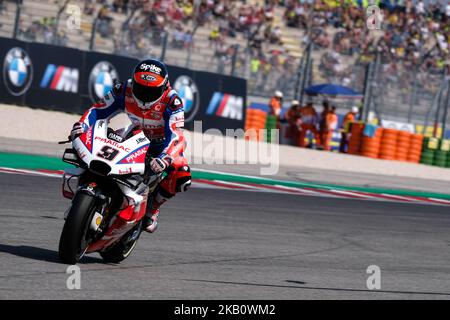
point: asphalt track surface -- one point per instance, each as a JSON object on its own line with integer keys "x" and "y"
{"x": 224, "y": 244}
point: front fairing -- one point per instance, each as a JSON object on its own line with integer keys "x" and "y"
{"x": 124, "y": 158}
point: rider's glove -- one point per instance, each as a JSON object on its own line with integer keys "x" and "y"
{"x": 158, "y": 165}
{"x": 77, "y": 130}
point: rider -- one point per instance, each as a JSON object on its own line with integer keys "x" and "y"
{"x": 153, "y": 106}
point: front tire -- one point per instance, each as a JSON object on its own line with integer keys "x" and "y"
{"x": 73, "y": 241}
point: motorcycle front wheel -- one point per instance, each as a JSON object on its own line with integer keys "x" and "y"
{"x": 75, "y": 236}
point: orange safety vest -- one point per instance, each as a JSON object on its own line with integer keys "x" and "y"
{"x": 349, "y": 117}
{"x": 275, "y": 106}
{"x": 331, "y": 119}
{"x": 309, "y": 115}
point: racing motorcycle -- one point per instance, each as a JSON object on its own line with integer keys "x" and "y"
{"x": 109, "y": 189}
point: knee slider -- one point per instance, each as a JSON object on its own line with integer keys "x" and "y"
{"x": 183, "y": 179}
{"x": 183, "y": 183}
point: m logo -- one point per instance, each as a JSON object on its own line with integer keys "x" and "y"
{"x": 226, "y": 106}
{"x": 60, "y": 78}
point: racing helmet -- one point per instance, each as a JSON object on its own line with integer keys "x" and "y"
{"x": 150, "y": 80}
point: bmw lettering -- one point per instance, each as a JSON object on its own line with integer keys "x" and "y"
{"x": 17, "y": 71}
{"x": 189, "y": 94}
{"x": 60, "y": 78}
{"x": 226, "y": 106}
{"x": 101, "y": 80}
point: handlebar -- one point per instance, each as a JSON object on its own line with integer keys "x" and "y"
{"x": 69, "y": 140}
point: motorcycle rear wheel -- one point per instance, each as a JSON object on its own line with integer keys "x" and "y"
{"x": 121, "y": 250}
{"x": 74, "y": 237}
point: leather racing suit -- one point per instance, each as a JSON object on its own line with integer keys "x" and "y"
{"x": 161, "y": 124}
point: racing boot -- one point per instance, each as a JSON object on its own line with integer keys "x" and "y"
{"x": 150, "y": 221}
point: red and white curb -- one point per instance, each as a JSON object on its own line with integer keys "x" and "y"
{"x": 247, "y": 186}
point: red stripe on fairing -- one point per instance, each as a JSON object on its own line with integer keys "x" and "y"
{"x": 57, "y": 77}
{"x": 222, "y": 105}
{"x": 218, "y": 184}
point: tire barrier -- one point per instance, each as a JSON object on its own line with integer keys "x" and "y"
{"x": 440, "y": 158}
{"x": 255, "y": 120}
{"x": 355, "y": 141}
{"x": 440, "y": 149}
{"x": 388, "y": 147}
{"x": 403, "y": 146}
{"x": 430, "y": 146}
{"x": 415, "y": 148}
{"x": 370, "y": 146}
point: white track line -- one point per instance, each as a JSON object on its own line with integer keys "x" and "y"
{"x": 29, "y": 172}
{"x": 331, "y": 193}
{"x": 351, "y": 193}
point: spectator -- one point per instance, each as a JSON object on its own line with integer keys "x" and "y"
{"x": 178, "y": 39}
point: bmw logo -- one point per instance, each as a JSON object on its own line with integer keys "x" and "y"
{"x": 17, "y": 71}
{"x": 101, "y": 80}
{"x": 188, "y": 92}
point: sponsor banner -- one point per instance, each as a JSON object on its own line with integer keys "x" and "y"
{"x": 102, "y": 71}
{"x": 71, "y": 80}
{"x": 403, "y": 126}
{"x": 57, "y": 74}
{"x": 198, "y": 88}
{"x": 226, "y": 106}
{"x": 17, "y": 71}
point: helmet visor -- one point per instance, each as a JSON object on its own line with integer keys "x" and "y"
{"x": 147, "y": 94}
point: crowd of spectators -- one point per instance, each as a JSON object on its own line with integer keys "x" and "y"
{"x": 413, "y": 36}
{"x": 44, "y": 30}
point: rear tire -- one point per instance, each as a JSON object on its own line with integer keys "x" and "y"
{"x": 121, "y": 250}
{"x": 72, "y": 243}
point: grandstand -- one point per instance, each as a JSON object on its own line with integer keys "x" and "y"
{"x": 342, "y": 44}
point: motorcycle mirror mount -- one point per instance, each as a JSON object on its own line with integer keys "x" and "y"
{"x": 69, "y": 140}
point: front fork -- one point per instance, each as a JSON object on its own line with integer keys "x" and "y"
{"x": 71, "y": 185}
